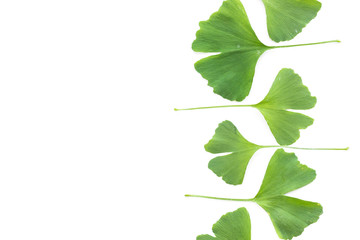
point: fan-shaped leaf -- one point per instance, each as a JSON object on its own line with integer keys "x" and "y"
{"x": 228, "y": 139}
{"x": 287, "y": 18}
{"x": 284, "y": 174}
{"x": 235, "y": 69}
{"x": 285, "y": 125}
{"x": 230, "y": 167}
{"x": 231, "y": 226}
{"x": 228, "y": 31}
{"x": 287, "y": 92}
{"x": 289, "y": 215}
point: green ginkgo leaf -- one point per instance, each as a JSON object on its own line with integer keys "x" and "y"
{"x": 232, "y": 167}
{"x": 287, "y": 18}
{"x": 229, "y": 33}
{"x": 231, "y": 226}
{"x": 293, "y": 175}
{"x": 290, "y": 216}
{"x": 285, "y": 125}
{"x": 287, "y": 92}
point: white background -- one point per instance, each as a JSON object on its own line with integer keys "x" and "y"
{"x": 90, "y": 147}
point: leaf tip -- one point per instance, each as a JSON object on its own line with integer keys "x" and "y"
{"x": 314, "y": 101}
{"x": 207, "y": 147}
{"x": 194, "y": 46}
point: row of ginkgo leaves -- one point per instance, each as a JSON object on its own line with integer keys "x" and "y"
{"x": 230, "y": 73}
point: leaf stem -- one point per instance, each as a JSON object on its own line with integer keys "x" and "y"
{"x": 218, "y": 198}
{"x": 302, "y": 148}
{"x": 223, "y": 106}
{"x": 306, "y": 44}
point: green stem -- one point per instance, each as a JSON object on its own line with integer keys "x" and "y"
{"x": 306, "y": 44}
{"x": 218, "y": 198}
{"x": 301, "y": 148}
{"x": 223, "y": 106}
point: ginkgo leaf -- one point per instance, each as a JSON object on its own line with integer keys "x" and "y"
{"x": 232, "y": 167}
{"x": 235, "y": 69}
{"x": 287, "y": 18}
{"x": 290, "y": 216}
{"x": 293, "y": 175}
{"x": 228, "y": 139}
{"x": 228, "y": 31}
{"x": 231, "y": 226}
{"x": 286, "y": 93}
{"x": 285, "y": 125}
{"x": 229, "y": 34}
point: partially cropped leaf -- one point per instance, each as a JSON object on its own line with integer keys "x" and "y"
{"x": 227, "y": 139}
{"x": 229, "y": 32}
{"x": 231, "y": 226}
{"x": 230, "y": 167}
{"x": 289, "y": 215}
{"x": 286, "y": 93}
{"x": 287, "y": 18}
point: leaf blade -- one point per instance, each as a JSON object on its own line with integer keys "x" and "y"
{"x": 287, "y": 18}
{"x": 231, "y": 167}
{"x": 225, "y": 30}
{"x": 285, "y": 125}
{"x": 290, "y": 216}
{"x": 231, "y": 226}
{"x": 284, "y": 174}
{"x": 227, "y": 138}
{"x": 228, "y": 32}
{"x": 288, "y": 92}
{"x": 205, "y": 237}
{"x": 235, "y": 69}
